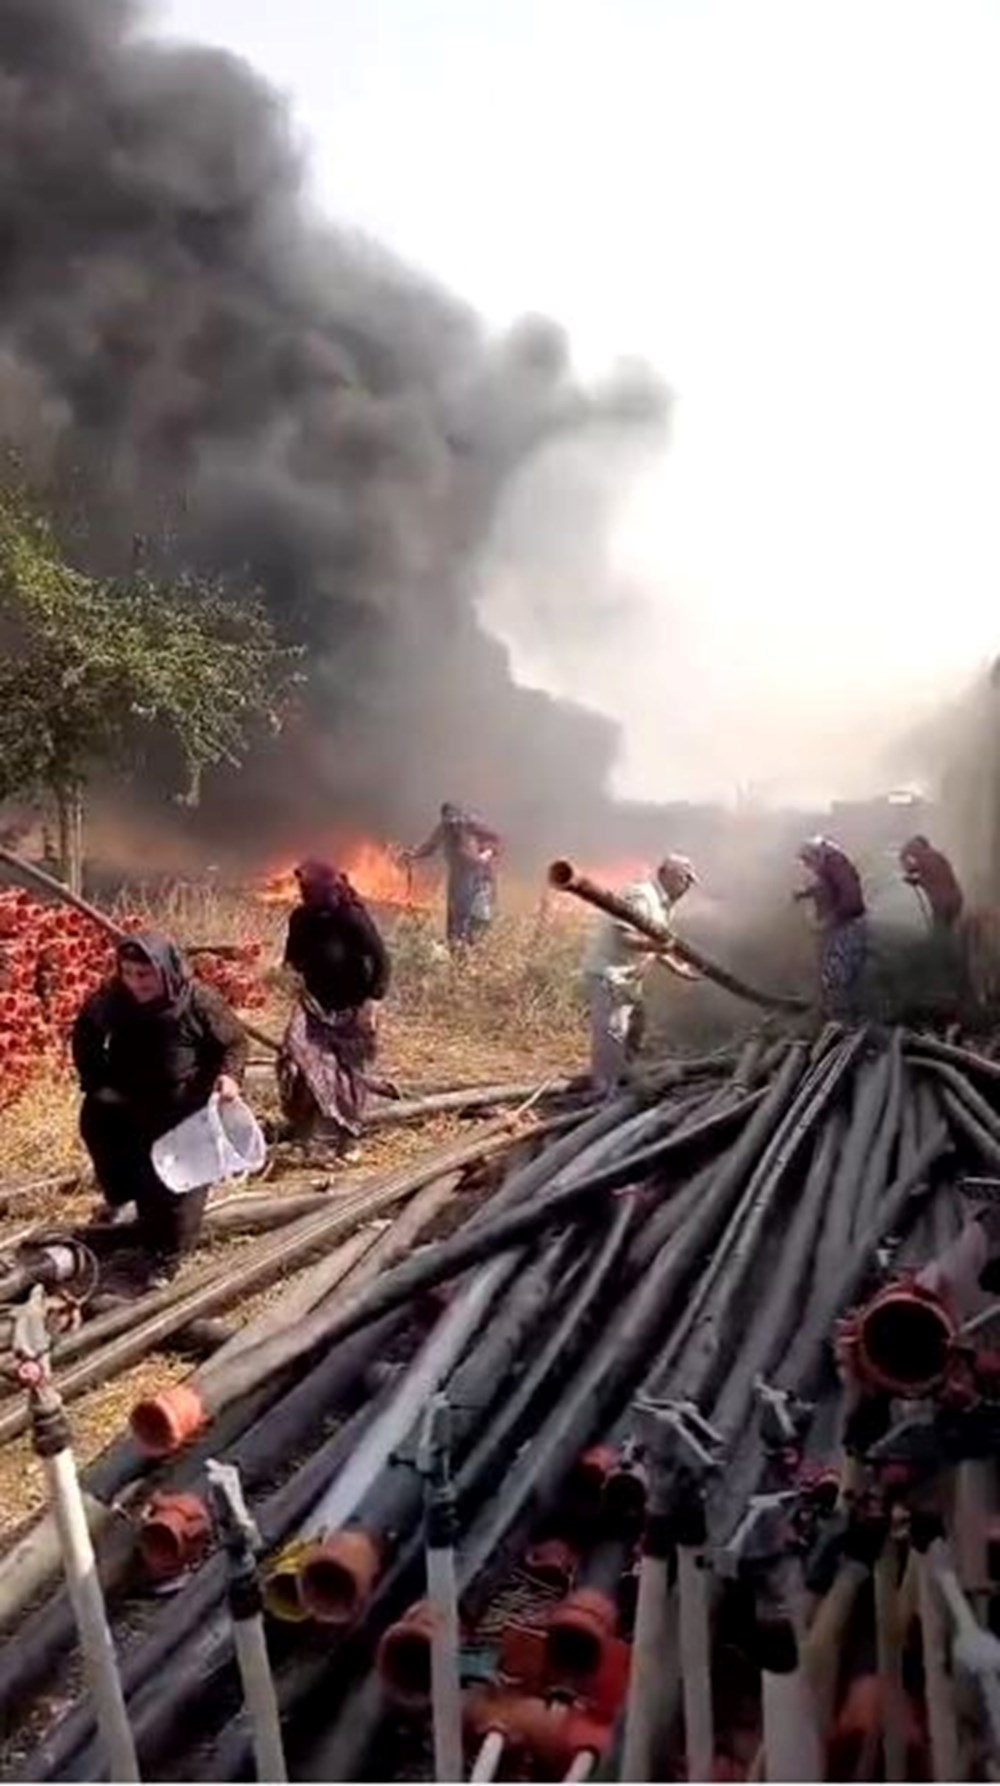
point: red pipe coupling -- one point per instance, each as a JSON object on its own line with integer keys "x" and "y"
{"x": 554, "y": 1562}
{"x": 586, "y": 1482}
{"x": 338, "y": 1576}
{"x": 858, "y": 1729}
{"x": 625, "y": 1492}
{"x": 549, "y": 1734}
{"x": 902, "y": 1342}
{"x": 174, "y": 1535}
{"x": 578, "y": 1634}
{"x": 403, "y": 1658}
{"x": 162, "y": 1424}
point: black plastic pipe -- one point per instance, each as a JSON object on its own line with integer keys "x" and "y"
{"x": 436, "y": 1265}
{"x": 195, "y": 1623}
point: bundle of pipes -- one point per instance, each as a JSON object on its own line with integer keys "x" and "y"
{"x": 710, "y": 1408}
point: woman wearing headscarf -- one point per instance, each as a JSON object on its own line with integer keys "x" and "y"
{"x": 151, "y": 1047}
{"x": 471, "y": 850}
{"x": 839, "y": 904}
{"x": 343, "y": 968}
{"x": 929, "y": 871}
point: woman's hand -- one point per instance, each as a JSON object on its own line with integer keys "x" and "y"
{"x": 226, "y": 1089}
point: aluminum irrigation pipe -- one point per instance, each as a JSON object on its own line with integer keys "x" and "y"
{"x": 563, "y": 876}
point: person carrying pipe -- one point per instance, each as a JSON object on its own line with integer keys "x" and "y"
{"x": 342, "y": 970}
{"x": 151, "y": 1046}
{"x": 931, "y": 874}
{"x": 615, "y": 968}
{"x": 471, "y": 850}
{"x": 839, "y": 904}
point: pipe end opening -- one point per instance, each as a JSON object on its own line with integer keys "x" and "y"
{"x": 907, "y": 1343}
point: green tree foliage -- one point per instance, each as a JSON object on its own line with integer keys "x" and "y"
{"x": 91, "y": 670}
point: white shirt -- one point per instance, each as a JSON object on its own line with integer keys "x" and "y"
{"x": 607, "y": 954}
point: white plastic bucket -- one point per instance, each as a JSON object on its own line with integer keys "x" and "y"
{"x": 224, "y": 1140}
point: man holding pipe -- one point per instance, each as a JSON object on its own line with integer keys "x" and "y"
{"x": 615, "y": 969}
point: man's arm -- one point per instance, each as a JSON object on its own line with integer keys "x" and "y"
{"x": 429, "y": 848}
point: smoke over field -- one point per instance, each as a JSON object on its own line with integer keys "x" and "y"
{"x": 184, "y": 356}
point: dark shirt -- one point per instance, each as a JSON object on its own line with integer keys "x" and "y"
{"x": 163, "y": 1063}
{"x": 339, "y": 953}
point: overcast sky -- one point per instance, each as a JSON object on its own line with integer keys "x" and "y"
{"x": 790, "y": 207}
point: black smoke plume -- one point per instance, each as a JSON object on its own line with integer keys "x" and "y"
{"x": 217, "y": 372}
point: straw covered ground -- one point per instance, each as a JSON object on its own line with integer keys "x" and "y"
{"x": 512, "y": 1011}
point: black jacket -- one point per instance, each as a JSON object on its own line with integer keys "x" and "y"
{"x": 165, "y": 1062}
{"x": 339, "y": 953}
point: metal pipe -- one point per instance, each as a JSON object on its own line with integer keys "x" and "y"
{"x": 241, "y": 1540}
{"x": 564, "y": 877}
{"x": 694, "y": 1613}
{"x": 442, "y": 1593}
{"x": 490, "y": 1755}
{"x": 890, "y": 1662}
{"x": 791, "y": 1741}
{"x": 938, "y": 1691}
{"x": 51, "y": 1443}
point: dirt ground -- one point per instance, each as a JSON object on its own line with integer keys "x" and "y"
{"x": 496, "y": 1023}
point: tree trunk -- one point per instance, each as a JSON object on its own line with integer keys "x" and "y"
{"x": 69, "y": 806}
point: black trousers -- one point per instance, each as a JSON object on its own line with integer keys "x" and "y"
{"x": 119, "y": 1147}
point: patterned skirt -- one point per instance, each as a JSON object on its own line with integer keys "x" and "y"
{"x": 843, "y": 951}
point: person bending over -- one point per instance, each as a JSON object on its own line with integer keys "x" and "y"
{"x": 343, "y": 969}
{"x": 151, "y": 1046}
{"x": 615, "y": 966}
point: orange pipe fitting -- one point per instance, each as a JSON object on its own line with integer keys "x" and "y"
{"x": 548, "y": 1733}
{"x": 162, "y": 1424}
{"x": 403, "y": 1658}
{"x": 578, "y": 1634}
{"x": 586, "y": 1482}
{"x": 856, "y": 1738}
{"x": 902, "y": 1342}
{"x": 338, "y": 1576}
{"x": 174, "y": 1535}
{"x": 554, "y": 1562}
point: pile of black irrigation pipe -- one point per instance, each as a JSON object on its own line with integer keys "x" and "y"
{"x": 777, "y": 1247}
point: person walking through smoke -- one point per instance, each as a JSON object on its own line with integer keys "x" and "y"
{"x": 151, "y": 1047}
{"x": 931, "y": 874}
{"x": 839, "y": 905}
{"x": 470, "y": 850}
{"x": 615, "y": 968}
{"x": 343, "y": 969}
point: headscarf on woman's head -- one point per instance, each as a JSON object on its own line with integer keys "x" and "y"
{"x": 323, "y": 886}
{"x": 153, "y": 950}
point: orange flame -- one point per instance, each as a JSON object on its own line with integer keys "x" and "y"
{"x": 372, "y": 868}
